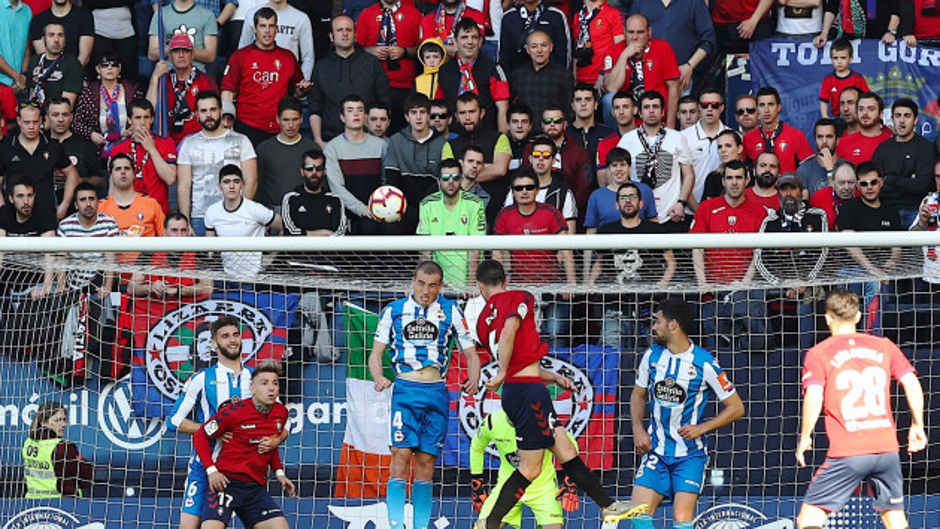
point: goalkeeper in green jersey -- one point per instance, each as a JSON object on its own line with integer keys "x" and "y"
{"x": 543, "y": 496}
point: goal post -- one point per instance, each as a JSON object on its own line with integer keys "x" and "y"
{"x": 118, "y": 363}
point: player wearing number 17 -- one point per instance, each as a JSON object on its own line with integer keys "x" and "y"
{"x": 419, "y": 330}
{"x": 849, "y": 376}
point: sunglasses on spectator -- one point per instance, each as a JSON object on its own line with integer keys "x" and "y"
{"x": 631, "y": 196}
{"x": 448, "y": 177}
{"x": 710, "y": 104}
{"x": 553, "y": 121}
{"x": 545, "y": 155}
{"x": 867, "y": 183}
{"x": 34, "y": 104}
{"x": 440, "y": 115}
{"x": 524, "y": 187}
{"x": 315, "y": 167}
{"x": 746, "y": 110}
{"x": 109, "y": 64}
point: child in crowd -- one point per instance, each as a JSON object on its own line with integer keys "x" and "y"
{"x": 841, "y": 53}
{"x": 432, "y": 56}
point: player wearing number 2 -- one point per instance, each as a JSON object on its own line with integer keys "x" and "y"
{"x": 419, "y": 330}
{"x": 849, "y": 376}
{"x": 677, "y": 377}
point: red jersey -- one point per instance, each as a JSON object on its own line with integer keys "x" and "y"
{"x": 715, "y": 215}
{"x": 532, "y": 266}
{"x": 528, "y": 347}
{"x": 260, "y": 79}
{"x": 407, "y": 35}
{"x": 854, "y": 372}
{"x": 659, "y": 66}
{"x": 858, "y": 148}
{"x": 826, "y": 200}
{"x": 772, "y": 202}
{"x": 789, "y": 144}
{"x": 200, "y": 83}
{"x": 239, "y": 457}
{"x": 833, "y": 85}
{"x": 147, "y": 182}
{"x": 185, "y": 262}
{"x": 8, "y": 104}
{"x": 604, "y": 26}
{"x": 605, "y": 146}
{"x": 926, "y": 27}
{"x": 442, "y": 27}
{"x": 734, "y": 11}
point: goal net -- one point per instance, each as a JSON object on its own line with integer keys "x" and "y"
{"x": 112, "y": 330}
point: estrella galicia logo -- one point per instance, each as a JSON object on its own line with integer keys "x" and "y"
{"x": 116, "y": 419}
{"x": 47, "y": 518}
{"x": 573, "y": 408}
{"x": 737, "y": 516}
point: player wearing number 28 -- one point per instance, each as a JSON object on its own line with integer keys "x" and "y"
{"x": 848, "y": 376}
{"x": 419, "y": 329}
{"x": 678, "y": 378}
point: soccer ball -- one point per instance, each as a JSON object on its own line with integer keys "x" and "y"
{"x": 387, "y": 203}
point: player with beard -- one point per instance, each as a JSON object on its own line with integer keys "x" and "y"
{"x": 764, "y": 190}
{"x": 206, "y": 392}
{"x": 678, "y": 378}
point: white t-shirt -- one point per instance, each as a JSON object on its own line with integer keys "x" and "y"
{"x": 207, "y": 156}
{"x": 249, "y": 219}
{"x": 704, "y": 152}
{"x": 802, "y": 21}
{"x": 673, "y": 151}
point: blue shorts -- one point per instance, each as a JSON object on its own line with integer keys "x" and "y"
{"x": 532, "y": 413}
{"x": 420, "y": 411}
{"x": 249, "y": 500}
{"x": 838, "y": 478}
{"x": 197, "y": 483}
{"x": 668, "y": 475}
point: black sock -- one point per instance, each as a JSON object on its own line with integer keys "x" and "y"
{"x": 587, "y": 480}
{"x": 509, "y": 495}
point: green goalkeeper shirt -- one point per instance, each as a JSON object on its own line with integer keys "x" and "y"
{"x": 468, "y": 217}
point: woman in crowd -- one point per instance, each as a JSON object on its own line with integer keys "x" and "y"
{"x": 53, "y": 466}
{"x": 101, "y": 112}
{"x": 730, "y": 147}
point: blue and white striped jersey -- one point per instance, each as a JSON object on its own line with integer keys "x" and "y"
{"x": 679, "y": 386}
{"x": 419, "y": 336}
{"x": 206, "y": 390}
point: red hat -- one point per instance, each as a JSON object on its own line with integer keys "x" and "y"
{"x": 181, "y": 41}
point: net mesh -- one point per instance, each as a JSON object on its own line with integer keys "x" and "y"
{"x": 118, "y": 362}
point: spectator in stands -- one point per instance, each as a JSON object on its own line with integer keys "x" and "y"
{"x": 764, "y": 191}
{"x": 136, "y": 215}
{"x": 431, "y": 54}
{"x": 309, "y": 210}
{"x": 739, "y": 22}
{"x": 81, "y": 152}
{"x": 598, "y": 41}
{"x": 87, "y": 221}
{"x": 391, "y": 31}
{"x": 79, "y": 27}
{"x": 730, "y": 147}
{"x": 257, "y": 78}
{"x": 718, "y": 267}
{"x": 237, "y": 216}
{"x": 774, "y": 136}
{"x": 115, "y": 33}
{"x": 30, "y": 153}
{"x": 453, "y": 211}
{"x": 182, "y": 85}
{"x": 702, "y": 137}
{"x": 411, "y": 159}
{"x": 186, "y": 17}
{"x": 843, "y": 187}
{"x": 882, "y": 19}
{"x": 14, "y": 50}
{"x": 538, "y": 82}
{"x": 570, "y": 159}
{"x": 294, "y": 33}
{"x": 745, "y": 113}
{"x": 847, "y": 122}
{"x": 688, "y": 28}
{"x": 54, "y": 74}
{"x": 906, "y": 160}
{"x": 552, "y": 188}
{"x": 378, "y": 119}
{"x": 17, "y": 220}
{"x": 687, "y": 113}
{"x": 471, "y": 165}
{"x": 443, "y": 21}
{"x": 344, "y": 71}
{"x": 520, "y": 132}
{"x": 495, "y": 145}
{"x": 585, "y": 128}
{"x": 869, "y": 213}
{"x": 661, "y": 160}
{"x": 52, "y": 464}
{"x": 108, "y": 95}
{"x": 802, "y": 23}
{"x": 169, "y": 286}
{"x": 154, "y": 156}
{"x": 354, "y": 166}
{"x": 529, "y": 217}
{"x": 624, "y": 313}
{"x": 525, "y": 18}
{"x": 833, "y": 84}
{"x": 471, "y": 72}
{"x": 280, "y": 158}
{"x": 204, "y": 154}
{"x": 794, "y": 266}
{"x": 646, "y": 64}
{"x": 815, "y": 172}
{"x": 8, "y": 105}
{"x": 441, "y": 119}
{"x": 624, "y": 112}
{"x": 926, "y": 220}
{"x": 860, "y": 146}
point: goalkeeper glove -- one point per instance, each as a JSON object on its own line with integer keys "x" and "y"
{"x": 568, "y": 495}
{"x": 477, "y": 494}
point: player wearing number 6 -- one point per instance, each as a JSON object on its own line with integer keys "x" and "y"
{"x": 678, "y": 378}
{"x": 849, "y": 376}
{"x": 419, "y": 330}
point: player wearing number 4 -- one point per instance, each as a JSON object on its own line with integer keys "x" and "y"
{"x": 419, "y": 329}
{"x": 678, "y": 377}
{"x": 239, "y": 475}
{"x": 847, "y": 375}
{"x": 507, "y": 328}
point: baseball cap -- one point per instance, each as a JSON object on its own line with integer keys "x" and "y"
{"x": 792, "y": 179}
{"x": 181, "y": 41}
